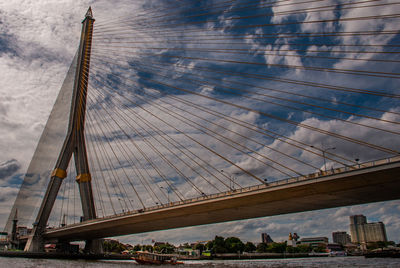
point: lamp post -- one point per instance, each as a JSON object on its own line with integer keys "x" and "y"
{"x": 166, "y": 189}
{"x": 323, "y": 153}
{"x": 231, "y": 181}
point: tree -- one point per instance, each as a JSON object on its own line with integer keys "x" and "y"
{"x": 304, "y": 248}
{"x": 233, "y": 245}
{"x": 262, "y": 247}
{"x": 165, "y": 248}
{"x": 291, "y": 249}
{"x": 249, "y": 247}
{"x": 277, "y": 247}
{"x": 148, "y": 248}
{"x": 320, "y": 249}
{"x": 200, "y": 247}
{"x": 219, "y": 245}
{"x": 210, "y": 245}
{"x": 113, "y": 246}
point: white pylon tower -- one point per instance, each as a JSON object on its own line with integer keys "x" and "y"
{"x": 75, "y": 144}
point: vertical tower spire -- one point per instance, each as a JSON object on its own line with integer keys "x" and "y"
{"x": 74, "y": 144}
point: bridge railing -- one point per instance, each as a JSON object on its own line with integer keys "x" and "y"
{"x": 311, "y": 176}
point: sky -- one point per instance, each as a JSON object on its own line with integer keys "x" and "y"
{"x": 140, "y": 51}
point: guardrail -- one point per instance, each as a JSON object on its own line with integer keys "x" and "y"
{"x": 311, "y": 176}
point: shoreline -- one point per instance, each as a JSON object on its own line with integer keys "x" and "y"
{"x": 228, "y": 256}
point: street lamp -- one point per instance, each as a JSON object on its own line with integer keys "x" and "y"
{"x": 120, "y": 201}
{"x": 323, "y": 153}
{"x": 231, "y": 181}
{"x": 166, "y": 191}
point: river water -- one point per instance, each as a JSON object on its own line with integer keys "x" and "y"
{"x": 276, "y": 263}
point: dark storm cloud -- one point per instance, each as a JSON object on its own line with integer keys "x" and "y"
{"x": 5, "y": 45}
{"x": 8, "y": 168}
{"x": 7, "y": 41}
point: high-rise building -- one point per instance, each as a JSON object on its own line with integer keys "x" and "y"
{"x": 363, "y": 232}
{"x": 341, "y": 238}
{"x": 375, "y": 231}
{"x": 265, "y": 238}
{"x": 355, "y": 230}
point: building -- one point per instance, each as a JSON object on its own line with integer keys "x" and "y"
{"x": 3, "y": 240}
{"x": 363, "y": 232}
{"x": 315, "y": 242}
{"x": 23, "y": 231}
{"x": 265, "y": 238}
{"x": 341, "y": 238}
{"x": 375, "y": 231}
{"x": 356, "y": 221}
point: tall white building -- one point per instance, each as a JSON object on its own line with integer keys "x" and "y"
{"x": 363, "y": 232}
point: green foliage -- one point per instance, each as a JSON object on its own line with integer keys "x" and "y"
{"x": 291, "y": 249}
{"x": 165, "y": 248}
{"x": 228, "y": 245}
{"x": 200, "y": 247}
{"x": 186, "y": 245}
{"x": 112, "y": 246}
{"x": 249, "y": 247}
{"x": 320, "y": 249}
{"x": 210, "y": 245}
{"x": 219, "y": 245}
{"x": 148, "y": 248}
{"x": 304, "y": 248}
{"x": 233, "y": 245}
{"x": 262, "y": 247}
{"x": 272, "y": 247}
{"x": 277, "y": 247}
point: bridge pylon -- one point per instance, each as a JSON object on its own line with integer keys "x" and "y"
{"x": 74, "y": 144}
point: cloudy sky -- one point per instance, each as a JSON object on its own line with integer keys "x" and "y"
{"x": 299, "y": 73}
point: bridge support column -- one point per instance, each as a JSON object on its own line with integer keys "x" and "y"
{"x": 73, "y": 144}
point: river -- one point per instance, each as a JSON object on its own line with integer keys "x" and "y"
{"x": 275, "y": 263}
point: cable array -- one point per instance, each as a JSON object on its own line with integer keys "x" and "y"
{"x": 187, "y": 100}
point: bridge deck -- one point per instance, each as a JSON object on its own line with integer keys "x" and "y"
{"x": 341, "y": 187}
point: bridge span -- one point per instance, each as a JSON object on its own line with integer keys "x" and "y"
{"x": 370, "y": 182}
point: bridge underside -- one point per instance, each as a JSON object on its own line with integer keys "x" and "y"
{"x": 379, "y": 183}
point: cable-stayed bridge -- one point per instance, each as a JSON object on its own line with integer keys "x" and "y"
{"x": 183, "y": 115}
{"x": 339, "y": 187}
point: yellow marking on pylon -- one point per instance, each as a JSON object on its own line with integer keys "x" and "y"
{"x": 60, "y": 173}
{"x": 85, "y": 177}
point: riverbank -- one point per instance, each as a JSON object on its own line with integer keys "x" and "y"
{"x": 255, "y": 256}
{"x": 225, "y": 256}
{"x": 55, "y": 255}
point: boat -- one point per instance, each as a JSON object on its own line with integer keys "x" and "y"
{"x": 383, "y": 253}
{"x": 145, "y": 257}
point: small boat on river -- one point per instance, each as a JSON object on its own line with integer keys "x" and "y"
{"x": 145, "y": 257}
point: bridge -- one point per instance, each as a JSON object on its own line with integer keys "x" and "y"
{"x": 181, "y": 116}
{"x": 341, "y": 187}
